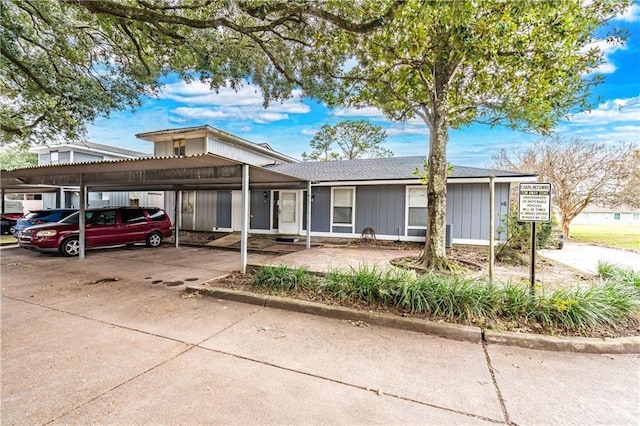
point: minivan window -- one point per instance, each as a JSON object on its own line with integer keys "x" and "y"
{"x": 132, "y": 216}
{"x": 52, "y": 216}
{"x": 157, "y": 215}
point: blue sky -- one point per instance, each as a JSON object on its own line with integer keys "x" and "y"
{"x": 289, "y": 126}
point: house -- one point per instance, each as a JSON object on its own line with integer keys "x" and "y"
{"x": 346, "y": 196}
{"x": 597, "y": 215}
{"x": 82, "y": 152}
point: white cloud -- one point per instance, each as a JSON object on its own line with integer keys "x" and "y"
{"x": 607, "y": 67}
{"x": 309, "y": 132}
{"x": 200, "y": 102}
{"x": 408, "y": 129}
{"x": 612, "y": 111}
{"x": 631, "y": 15}
{"x": 358, "y": 112}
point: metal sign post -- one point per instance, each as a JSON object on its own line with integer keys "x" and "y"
{"x": 534, "y": 205}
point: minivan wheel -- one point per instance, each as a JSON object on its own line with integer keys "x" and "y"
{"x": 70, "y": 247}
{"x": 154, "y": 239}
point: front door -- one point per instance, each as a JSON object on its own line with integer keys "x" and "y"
{"x": 288, "y": 213}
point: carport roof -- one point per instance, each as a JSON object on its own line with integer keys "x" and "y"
{"x": 202, "y": 171}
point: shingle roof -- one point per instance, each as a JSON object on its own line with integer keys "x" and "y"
{"x": 394, "y": 168}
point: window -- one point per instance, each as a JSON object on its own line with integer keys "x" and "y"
{"x": 157, "y": 215}
{"x": 54, "y": 157}
{"x": 616, "y": 216}
{"x": 343, "y": 206}
{"x": 179, "y": 147}
{"x": 107, "y": 217}
{"x": 132, "y": 216}
{"x": 188, "y": 201}
{"x": 417, "y": 207}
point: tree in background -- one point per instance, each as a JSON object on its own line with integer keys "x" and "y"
{"x": 580, "y": 173}
{"x": 354, "y": 139}
{"x": 16, "y": 157}
{"x": 64, "y": 63}
{"x": 521, "y": 64}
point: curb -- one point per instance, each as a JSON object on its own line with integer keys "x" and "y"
{"x": 619, "y": 345}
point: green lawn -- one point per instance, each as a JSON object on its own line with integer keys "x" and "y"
{"x": 6, "y": 239}
{"x": 621, "y": 236}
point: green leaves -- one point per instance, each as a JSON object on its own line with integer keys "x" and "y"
{"x": 354, "y": 139}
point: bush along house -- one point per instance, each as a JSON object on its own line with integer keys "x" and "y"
{"x": 382, "y": 195}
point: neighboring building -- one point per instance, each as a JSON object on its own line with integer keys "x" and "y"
{"x": 82, "y": 152}
{"x": 347, "y": 196}
{"x": 596, "y": 215}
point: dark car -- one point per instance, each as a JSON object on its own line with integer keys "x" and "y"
{"x": 8, "y": 222}
{"x": 36, "y": 217}
{"x": 104, "y": 227}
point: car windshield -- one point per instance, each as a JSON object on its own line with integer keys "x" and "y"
{"x": 48, "y": 216}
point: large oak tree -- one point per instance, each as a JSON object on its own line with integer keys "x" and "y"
{"x": 515, "y": 63}
{"x": 66, "y": 62}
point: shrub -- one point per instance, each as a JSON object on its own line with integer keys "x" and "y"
{"x": 619, "y": 274}
{"x": 284, "y": 278}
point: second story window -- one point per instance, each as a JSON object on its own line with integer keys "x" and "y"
{"x": 54, "y": 157}
{"x": 179, "y": 147}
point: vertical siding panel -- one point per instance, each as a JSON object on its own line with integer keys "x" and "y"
{"x": 223, "y": 209}
{"x": 205, "y": 219}
{"x": 321, "y": 209}
{"x": 484, "y": 210}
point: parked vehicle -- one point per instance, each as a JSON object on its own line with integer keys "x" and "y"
{"x": 104, "y": 227}
{"x": 36, "y": 217}
{"x": 8, "y": 222}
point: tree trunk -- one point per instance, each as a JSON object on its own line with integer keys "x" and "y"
{"x": 434, "y": 255}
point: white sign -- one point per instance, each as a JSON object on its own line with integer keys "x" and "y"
{"x": 534, "y": 202}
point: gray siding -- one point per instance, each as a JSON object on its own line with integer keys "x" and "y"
{"x": 206, "y": 213}
{"x": 223, "y": 209}
{"x": 170, "y": 205}
{"x": 320, "y": 209}
{"x": 65, "y": 157}
{"x": 342, "y": 230}
{"x": 468, "y": 209}
{"x": 381, "y": 208}
{"x": 79, "y": 157}
{"x": 260, "y": 210}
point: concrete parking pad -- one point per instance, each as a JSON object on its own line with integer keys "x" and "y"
{"x": 53, "y": 362}
{"x": 205, "y": 387}
{"x": 541, "y": 387}
{"x": 80, "y": 348}
{"x": 432, "y": 370}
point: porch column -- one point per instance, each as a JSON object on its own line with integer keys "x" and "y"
{"x": 177, "y": 209}
{"x": 308, "y": 215}
{"x": 82, "y": 217}
{"x": 244, "y": 233}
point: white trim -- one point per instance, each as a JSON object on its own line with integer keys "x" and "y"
{"x": 81, "y": 149}
{"x": 353, "y": 209}
{"x": 452, "y": 180}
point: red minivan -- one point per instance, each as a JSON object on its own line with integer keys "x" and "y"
{"x": 104, "y": 227}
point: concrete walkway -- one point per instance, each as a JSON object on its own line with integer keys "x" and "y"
{"x": 585, "y": 257}
{"x": 80, "y": 347}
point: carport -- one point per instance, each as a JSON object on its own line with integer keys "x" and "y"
{"x": 197, "y": 172}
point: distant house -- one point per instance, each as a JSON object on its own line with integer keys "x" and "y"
{"x": 347, "y": 196}
{"x": 596, "y": 215}
{"x": 82, "y": 152}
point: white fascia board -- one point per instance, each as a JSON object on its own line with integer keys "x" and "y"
{"x": 368, "y": 182}
{"x": 503, "y": 179}
{"x": 45, "y": 149}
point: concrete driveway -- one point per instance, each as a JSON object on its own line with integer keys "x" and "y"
{"x": 585, "y": 257}
{"x": 79, "y": 347}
